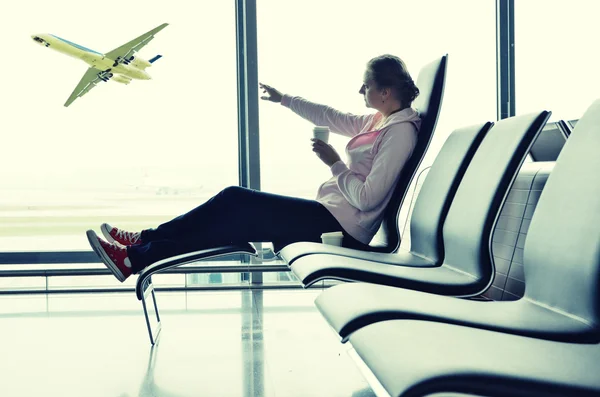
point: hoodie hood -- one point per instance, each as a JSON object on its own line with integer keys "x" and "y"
{"x": 408, "y": 114}
{"x": 371, "y": 135}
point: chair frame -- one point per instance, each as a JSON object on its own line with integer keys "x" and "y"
{"x": 144, "y": 286}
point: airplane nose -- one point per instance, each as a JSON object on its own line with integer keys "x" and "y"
{"x": 40, "y": 40}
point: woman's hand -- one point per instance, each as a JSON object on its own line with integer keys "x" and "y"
{"x": 325, "y": 152}
{"x": 274, "y": 95}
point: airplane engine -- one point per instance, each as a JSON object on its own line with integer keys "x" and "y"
{"x": 105, "y": 76}
{"x": 139, "y": 62}
{"x": 121, "y": 79}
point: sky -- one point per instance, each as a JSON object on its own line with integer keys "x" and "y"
{"x": 181, "y": 126}
{"x": 169, "y": 121}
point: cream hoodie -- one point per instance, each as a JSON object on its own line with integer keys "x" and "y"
{"x": 358, "y": 192}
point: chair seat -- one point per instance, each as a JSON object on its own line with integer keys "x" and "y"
{"x": 420, "y": 357}
{"x": 298, "y": 250}
{"x": 415, "y": 273}
{"x": 189, "y": 257}
{"x": 350, "y": 307}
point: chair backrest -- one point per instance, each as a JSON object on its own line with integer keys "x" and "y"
{"x": 511, "y": 231}
{"x": 473, "y": 213}
{"x": 439, "y": 188}
{"x": 431, "y": 82}
{"x": 549, "y": 143}
{"x": 562, "y": 249}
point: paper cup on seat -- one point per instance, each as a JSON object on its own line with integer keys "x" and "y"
{"x": 322, "y": 133}
{"x": 333, "y": 238}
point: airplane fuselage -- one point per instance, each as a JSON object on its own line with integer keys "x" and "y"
{"x": 92, "y": 58}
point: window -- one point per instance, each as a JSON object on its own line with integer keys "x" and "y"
{"x": 133, "y": 155}
{"x": 315, "y": 50}
{"x": 555, "y": 57}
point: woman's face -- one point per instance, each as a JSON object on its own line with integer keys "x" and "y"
{"x": 370, "y": 92}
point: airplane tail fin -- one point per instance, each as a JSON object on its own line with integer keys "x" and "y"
{"x": 155, "y": 58}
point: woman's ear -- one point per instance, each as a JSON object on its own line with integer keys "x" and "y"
{"x": 385, "y": 93}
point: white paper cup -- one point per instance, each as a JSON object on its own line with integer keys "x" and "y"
{"x": 333, "y": 238}
{"x": 322, "y": 133}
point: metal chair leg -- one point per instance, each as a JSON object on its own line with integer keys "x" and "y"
{"x": 147, "y": 291}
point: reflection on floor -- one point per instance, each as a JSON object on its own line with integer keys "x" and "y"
{"x": 241, "y": 343}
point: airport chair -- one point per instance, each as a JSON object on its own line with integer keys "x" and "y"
{"x": 549, "y": 143}
{"x": 430, "y": 209}
{"x": 561, "y": 263}
{"x": 430, "y": 81}
{"x": 144, "y": 287}
{"x": 467, "y": 268}
{"x": 572, "y": 123}
{"x": 511, "y": 230}
{"x": 422, "y": 358}
{"x": 566, "y": 127}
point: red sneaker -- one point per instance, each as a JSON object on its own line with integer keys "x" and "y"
{"x": 114, "y": 235}
{"x": 113, "y": 256}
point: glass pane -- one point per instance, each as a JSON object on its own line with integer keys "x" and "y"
{"x": 321, "y": 56}
{"x": 132, "y": 155}
{"x": 314, "y": 50}
{"x": 556, "y": 56}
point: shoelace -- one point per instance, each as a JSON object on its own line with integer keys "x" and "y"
{"x": 108, "y": 247}
{"x": 129, "y": 236}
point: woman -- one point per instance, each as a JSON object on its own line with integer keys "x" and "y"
{"x": 351, "y": 201}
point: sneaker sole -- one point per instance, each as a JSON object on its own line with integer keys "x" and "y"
{"x": 93, "y": 240}
{"x": 106, "y": 233}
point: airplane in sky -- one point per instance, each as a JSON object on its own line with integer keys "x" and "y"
{"x": 121, "y": 64}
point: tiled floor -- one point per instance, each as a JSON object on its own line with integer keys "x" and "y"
{"x": 240, "y": 343}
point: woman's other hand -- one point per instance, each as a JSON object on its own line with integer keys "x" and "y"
{"x": 274, "y": 95}
{"x": 325, "y": 152}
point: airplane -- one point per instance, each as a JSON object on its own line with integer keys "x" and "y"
{"x": 121, "y": 64}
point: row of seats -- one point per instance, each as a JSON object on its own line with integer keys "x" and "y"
{"x": 414, "y": 316}
{"x": 419, "y": 339}
{"x": 515, "y": 216}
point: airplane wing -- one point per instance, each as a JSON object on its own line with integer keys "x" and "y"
{"x": 87, "y": 82}
{"x": 134, "y": 45}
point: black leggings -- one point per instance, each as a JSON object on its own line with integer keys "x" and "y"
{"x": 237, "y": 215}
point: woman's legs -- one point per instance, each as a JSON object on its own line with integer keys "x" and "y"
{"x": 235, "y": 215}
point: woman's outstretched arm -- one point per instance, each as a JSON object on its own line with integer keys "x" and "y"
{"x": 346, "y": 124}
{"x": 342, "y": 123}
